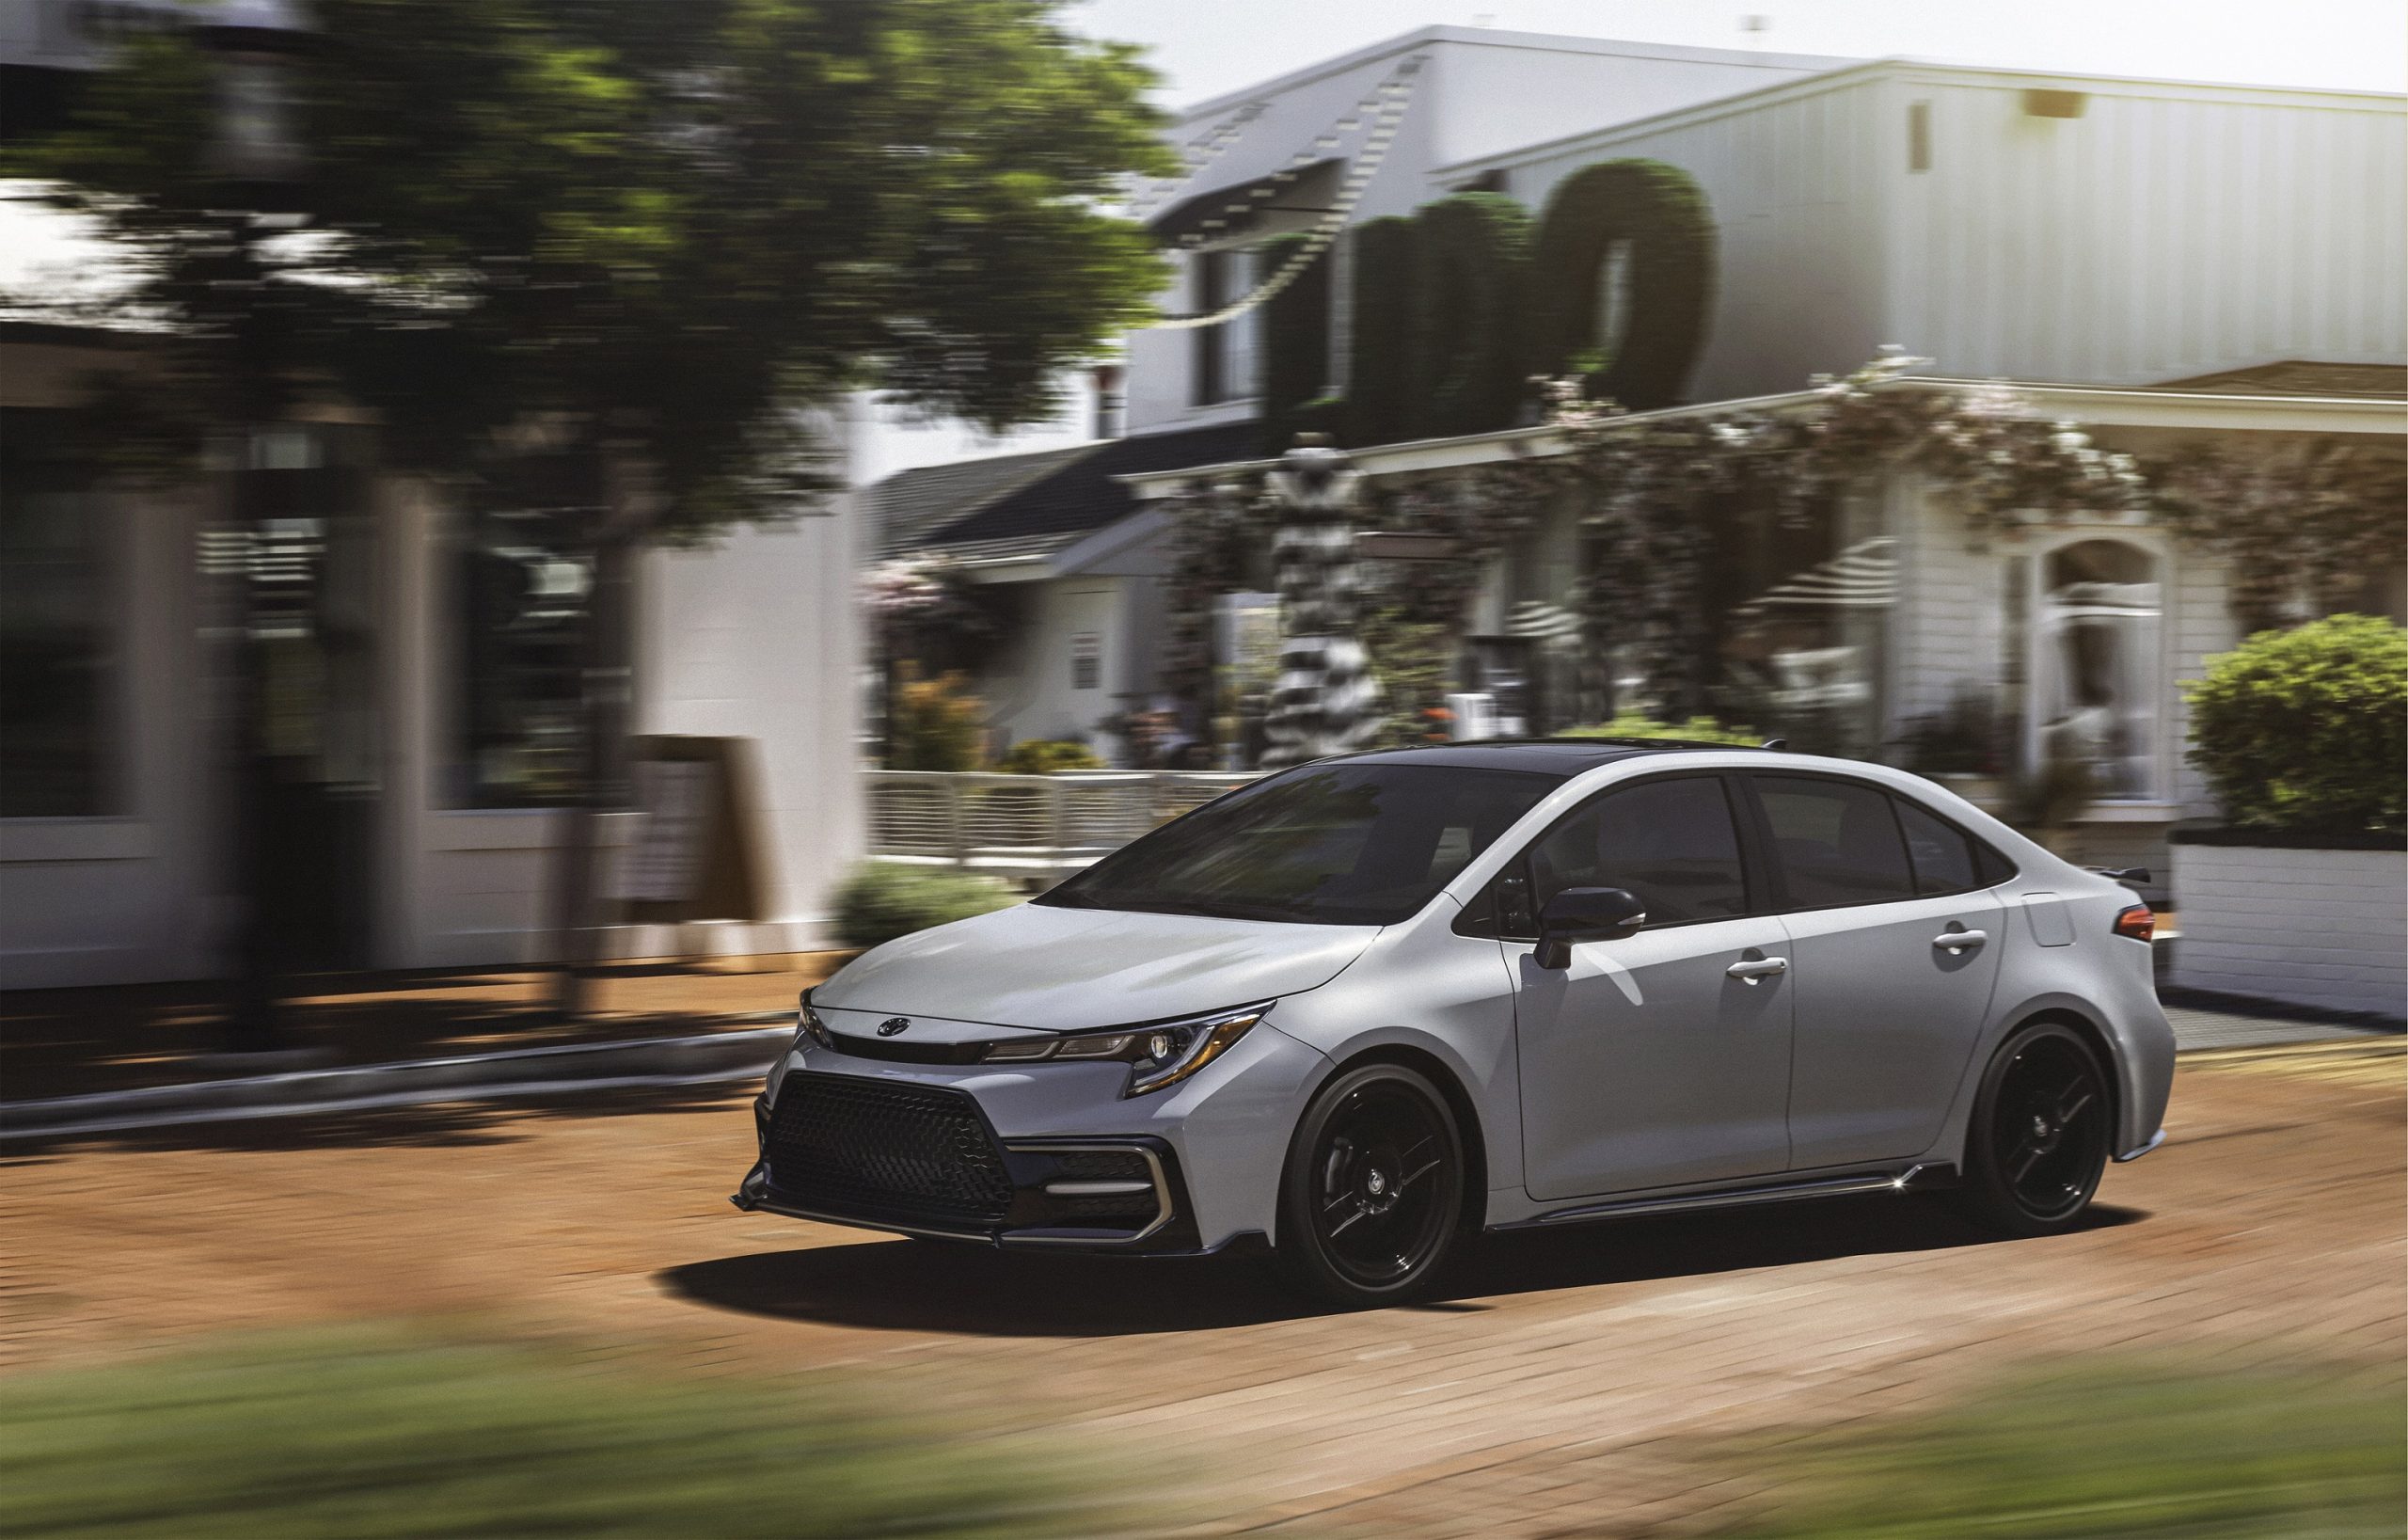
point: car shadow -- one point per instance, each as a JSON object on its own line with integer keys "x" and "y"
{"x": 973, "y": 1291}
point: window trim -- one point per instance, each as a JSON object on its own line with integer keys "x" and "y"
{"x": 1478, "y": 917}
{"x": 1763, "y": 830}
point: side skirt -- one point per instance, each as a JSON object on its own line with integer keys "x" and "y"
{"x": 1914, "y": 1178}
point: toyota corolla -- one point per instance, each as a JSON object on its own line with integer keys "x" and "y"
{"x": 1358, "y": 1012}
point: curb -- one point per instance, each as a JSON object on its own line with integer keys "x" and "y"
{"x": 697, "y": 1059}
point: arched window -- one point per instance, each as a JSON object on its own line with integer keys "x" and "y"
{"x": 2097, "y": 676}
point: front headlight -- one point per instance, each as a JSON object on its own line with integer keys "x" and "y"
{"x": 808, "y": 1027}
{"x": 1161, "y": 1054}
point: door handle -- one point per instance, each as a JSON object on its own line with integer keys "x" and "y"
{"x": 1958, "y": 941}
{"x": 1757, "y": 970}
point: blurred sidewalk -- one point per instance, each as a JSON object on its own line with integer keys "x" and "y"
{"x": 76, "y": 1043}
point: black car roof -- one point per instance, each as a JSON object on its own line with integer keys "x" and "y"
{"x": 1562, "y": 757}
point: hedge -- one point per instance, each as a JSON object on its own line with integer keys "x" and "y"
{"x": 1467, "y": 373}
{"x": 1293, "y": 362}
{"x": 2303, "y": 730}
{"x": 1662, "y": 213}
{"x": 881, "y": 900}
{"x": 1380, "y": 405}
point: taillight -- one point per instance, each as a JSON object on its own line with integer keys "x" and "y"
{"x": 2138, "y": 923}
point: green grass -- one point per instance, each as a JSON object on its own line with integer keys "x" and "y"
{"x": 370, "y": 1434}
{"x": 2115, "y": 1452}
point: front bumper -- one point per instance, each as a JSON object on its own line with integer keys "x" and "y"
{"x": 1123, "y": 1193}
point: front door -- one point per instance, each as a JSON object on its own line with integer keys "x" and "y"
{"x": 1895, "y": 949}
{"x": 1648, "y": 1062}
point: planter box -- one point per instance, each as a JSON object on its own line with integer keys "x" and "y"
{"x": 2323, "y": 927}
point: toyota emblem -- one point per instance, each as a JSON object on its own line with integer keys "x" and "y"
{"x": 893, "y": 1024}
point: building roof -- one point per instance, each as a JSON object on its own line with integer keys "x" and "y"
{"x": 912, "y": 503}
{"x": 1084, "y": 493}
{"x": 2301, "y": 378}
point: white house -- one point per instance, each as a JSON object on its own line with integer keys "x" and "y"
{"x": 421, "y": 702}
{"x": 2167, "y": 263}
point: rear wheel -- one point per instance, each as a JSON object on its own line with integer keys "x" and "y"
{"x": 1372, "y": 1200}
{"x": 2040, "y": 1134}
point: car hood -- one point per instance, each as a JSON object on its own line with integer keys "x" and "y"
{"x": 1070, "y": 969}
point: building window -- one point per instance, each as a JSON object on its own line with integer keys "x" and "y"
{"x": 55, "y": 636}
{"x": 1918, "y": 136}
{"x": 527, "y": 591}
{"x": 1086, "y": 662}
{"x": 2096, "y": 675}
{"x": 1223, "y": 359}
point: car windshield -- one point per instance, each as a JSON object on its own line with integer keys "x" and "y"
{"x": 1346, "y": 843}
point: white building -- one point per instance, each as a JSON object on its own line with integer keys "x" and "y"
{"x": 421, "y": 720}
{"x": 2161, "y": 261}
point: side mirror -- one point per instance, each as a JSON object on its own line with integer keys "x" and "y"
{"x": 1585, "y": 914}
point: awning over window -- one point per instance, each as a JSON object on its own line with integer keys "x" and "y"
{"x": 1267, "y": 205}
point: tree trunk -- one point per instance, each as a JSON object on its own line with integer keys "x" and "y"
{"x": 604, "y": 700}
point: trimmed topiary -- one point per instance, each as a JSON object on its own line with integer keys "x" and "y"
{"x": 1380, "y": 398}
{"x": 1662, "y": 213}
{"x": 2303, "y": 730}
{"x": 883, "y": 899}
{"x": 1293, "y": 360}
{"x": 1467, "y": 373}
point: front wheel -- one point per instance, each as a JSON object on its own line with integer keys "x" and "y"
{"x": 1371, "y": 1201}
{"x": 2040, "y": 1138}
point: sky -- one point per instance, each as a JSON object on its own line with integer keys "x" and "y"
{"x": 1205, "y": 50}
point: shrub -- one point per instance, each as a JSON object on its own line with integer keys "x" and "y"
{"x": 1381, "y": 407}
{"x": 377, "y": 1433}
{"x": 932, "y": 725}
{"x": 2303, "y": 730}
{"x": 1467, "y": 370}
{"x": 1045, "y": 756}
{"x": 1695, "y": 730}
{"x": 1662, "y": 213}
{"x": 881, "y": 900}
{"x": 1292, "y": 368}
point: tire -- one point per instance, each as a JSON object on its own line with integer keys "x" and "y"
{"x": 1372, "y": 1199}
{"x": 2040, "y": 1134}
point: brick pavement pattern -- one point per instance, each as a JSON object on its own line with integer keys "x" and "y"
{"x": 1575, "y": 1383}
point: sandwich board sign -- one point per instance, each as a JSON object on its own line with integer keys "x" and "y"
{"x": 697, "y": 850}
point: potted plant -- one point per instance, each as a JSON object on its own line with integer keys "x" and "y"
{"x": 2298, "y": 897}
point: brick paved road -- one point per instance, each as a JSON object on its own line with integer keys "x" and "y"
{"x": 1573, "y": 1387}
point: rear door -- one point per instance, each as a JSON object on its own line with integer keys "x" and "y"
{"x": 1647, "y": 1063}
{"x": 1895, "y": 945}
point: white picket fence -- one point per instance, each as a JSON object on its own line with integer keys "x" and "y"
{"x": 1042, "y": 827}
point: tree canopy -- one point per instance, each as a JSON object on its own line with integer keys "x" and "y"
{"x": 666, "y": 223}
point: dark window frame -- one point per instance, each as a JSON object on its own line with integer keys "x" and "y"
{"x": 1985, "y": 853}
{"x": 1480, "y": 918}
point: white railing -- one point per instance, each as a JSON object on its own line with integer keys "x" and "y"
{"x": 1038, "y": 826}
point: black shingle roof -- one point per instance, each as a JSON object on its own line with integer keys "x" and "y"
{"x": 913, "y": 504}
{"x": 1082, "y": 495}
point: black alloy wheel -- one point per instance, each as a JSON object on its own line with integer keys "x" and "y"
{"x": 1372, "y": 1199}
{"x": 2041, "y": 1133}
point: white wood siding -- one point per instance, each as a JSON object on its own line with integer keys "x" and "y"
{"x": 2162, "y": 234}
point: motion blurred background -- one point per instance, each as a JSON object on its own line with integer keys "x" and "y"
{"x": 546, "y": 524}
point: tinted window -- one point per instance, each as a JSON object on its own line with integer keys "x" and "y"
{"x": 1834, "y": 842}
{"x": 1336, "y": 844}
{"x": 1943, "y": 853}
{"x": 1671, "y": 844}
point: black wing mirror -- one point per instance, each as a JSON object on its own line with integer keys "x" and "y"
{"x": 1585, "y": 914}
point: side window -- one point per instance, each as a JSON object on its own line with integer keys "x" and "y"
{"x": 1834, "y": 842}
{"x": 1670, "y": 843}
{"x": 1943, "y": 853}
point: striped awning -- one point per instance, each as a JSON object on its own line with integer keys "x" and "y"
{"x": 1863, "y": 577}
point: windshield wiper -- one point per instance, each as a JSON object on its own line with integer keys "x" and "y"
{"x": 1204, "y": 908}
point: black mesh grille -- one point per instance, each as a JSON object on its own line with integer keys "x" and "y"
{"x": 1132, "y": 1209}
{"x": 849, "y": 1146}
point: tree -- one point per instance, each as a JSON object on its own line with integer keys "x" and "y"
{"x": 651, "y": 232}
